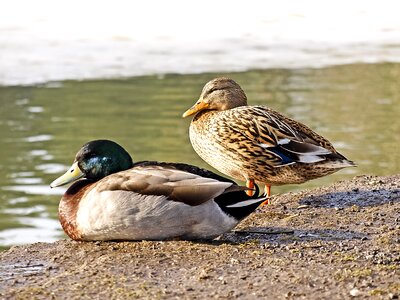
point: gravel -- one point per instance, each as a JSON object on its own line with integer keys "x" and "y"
{"x": 335, "y": 242}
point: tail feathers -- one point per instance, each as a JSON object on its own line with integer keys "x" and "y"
{"x": 310, "y": 155}
{"x": 338, "y": 164}
{"x": 247, "y": 203}
{"x": 238, "y": 204}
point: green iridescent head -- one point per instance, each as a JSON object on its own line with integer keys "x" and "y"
{"x": 95, "y": 160}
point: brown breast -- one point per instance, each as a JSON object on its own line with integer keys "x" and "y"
{"x": 68, "y": 207}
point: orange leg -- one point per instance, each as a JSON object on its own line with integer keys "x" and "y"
{"x": 267, "y": 192}
{"x": 250, "y": 185}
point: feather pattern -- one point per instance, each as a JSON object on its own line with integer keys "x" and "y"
{"x": 175, "y": 184}
{"x": 147, "y": 200}
{"x": 256, "y": 142}
{"x": 158, "y": 202}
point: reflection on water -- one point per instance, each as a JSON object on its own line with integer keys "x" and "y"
{"x": 34, "y": 230}
{"x": 42, "y": 127}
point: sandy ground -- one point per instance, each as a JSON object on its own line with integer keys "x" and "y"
{"x": 335, "y": 242}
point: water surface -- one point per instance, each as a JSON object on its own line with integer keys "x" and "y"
{"x": 357, "y": 107}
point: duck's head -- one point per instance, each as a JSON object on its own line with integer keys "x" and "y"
{"x": 219, "y": 94}
{"x": 95, "y": 160}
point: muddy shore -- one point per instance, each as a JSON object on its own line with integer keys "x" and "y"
{"x": 335, "y": 242}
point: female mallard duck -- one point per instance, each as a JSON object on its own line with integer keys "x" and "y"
{"x": 256, "y": 143}
{"x": 121, "y": 200}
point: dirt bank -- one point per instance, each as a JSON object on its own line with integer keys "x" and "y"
{"x": 334, "y": 242}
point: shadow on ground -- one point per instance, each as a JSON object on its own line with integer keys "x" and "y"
{"x": 359, "y": 197}
{"x": 289, "y": 235}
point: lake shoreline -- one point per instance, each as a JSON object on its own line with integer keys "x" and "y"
{"x": 329, "y": 242}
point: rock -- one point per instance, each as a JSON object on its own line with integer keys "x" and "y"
{"x": 355, "y": 292}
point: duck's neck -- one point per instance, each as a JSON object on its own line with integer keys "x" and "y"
{"x": 69, "y": 205}
{"x": 204, "y": 115}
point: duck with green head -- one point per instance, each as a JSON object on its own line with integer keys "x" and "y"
{"x": 113, "y": 198}
{"x": 257, "y": 144}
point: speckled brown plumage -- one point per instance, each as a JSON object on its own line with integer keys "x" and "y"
{"x": 256, "y": 142}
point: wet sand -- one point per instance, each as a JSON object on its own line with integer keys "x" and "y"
{"x": 334, "y": 242}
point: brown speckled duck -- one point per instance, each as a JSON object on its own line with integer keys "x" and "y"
{"x": 256, "y": 143}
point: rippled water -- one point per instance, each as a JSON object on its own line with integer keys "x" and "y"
{"x": 41, "y": 128}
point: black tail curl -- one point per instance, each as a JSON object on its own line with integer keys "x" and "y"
{"x": 238, "y": 204}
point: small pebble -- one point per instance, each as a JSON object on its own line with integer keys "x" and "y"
{"x": 204, "y": 275}
{"x": 355, "y": 292}
{"x": 288, "y": 294}
{"x": 303, "y": 206}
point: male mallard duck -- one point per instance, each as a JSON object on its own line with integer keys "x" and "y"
{"x": 122, "y": 200}
{"x": 256, "y": 143}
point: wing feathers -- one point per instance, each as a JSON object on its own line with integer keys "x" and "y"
{"x": 282, "y": 137}
{"x": 177, "y": 185}
{"x": 303, "y": 148}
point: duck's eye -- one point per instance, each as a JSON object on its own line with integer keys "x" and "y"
{"x": 218, "y": 88}
{"x": 212, "y": 90}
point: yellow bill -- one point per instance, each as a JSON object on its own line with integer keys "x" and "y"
{"x": 74, "y": 173}
{"x": 199, "y": 106}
